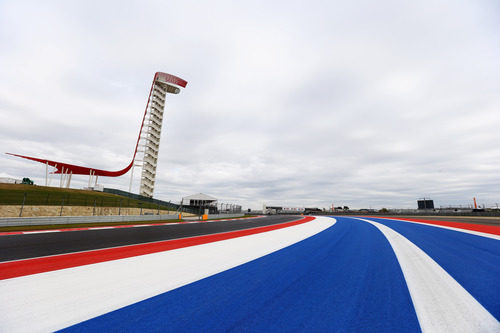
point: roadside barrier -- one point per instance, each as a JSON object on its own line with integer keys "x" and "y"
{"x": 19, "y": 221}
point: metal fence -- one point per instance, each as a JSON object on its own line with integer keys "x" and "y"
{"x": 111, "y": 198}
{"x": 168, "y": 204}
{"x": 40, "y": 196}
{"x": 29, "y": 198}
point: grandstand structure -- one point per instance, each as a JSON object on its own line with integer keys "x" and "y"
{"x": 146, "y": 149}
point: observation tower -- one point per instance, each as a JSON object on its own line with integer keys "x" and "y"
{"x": 146, "y": 149}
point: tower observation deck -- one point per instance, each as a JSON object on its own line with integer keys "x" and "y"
{"x": 149, "y": 138}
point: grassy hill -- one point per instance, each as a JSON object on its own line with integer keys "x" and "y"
{"x": 15, "y": 194}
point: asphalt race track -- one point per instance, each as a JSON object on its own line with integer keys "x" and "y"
{"x": 15, "y": 247}
{"x": 341, "y": 274}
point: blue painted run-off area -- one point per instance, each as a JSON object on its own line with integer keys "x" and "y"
{"x": 474, "y": 261}
{"x": 344, "y": 279}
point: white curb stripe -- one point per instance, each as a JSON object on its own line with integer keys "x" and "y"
{"x": 54, "y": 300}
{"x": 40, "y": 232}
{"x": 441, "y": 303}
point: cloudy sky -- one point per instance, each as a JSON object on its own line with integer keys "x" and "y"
{"x": 296, "y": 103}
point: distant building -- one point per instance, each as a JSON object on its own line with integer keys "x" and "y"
{"x": 7, "y": 180}
{"x": 425, "y": 204}
{"x": 200, "y": 199}
{"x": 313, "y": 210}
{"x": 271, "y": 210}
{"x": 293, "y": 210}
{"x": 207, "y": 204}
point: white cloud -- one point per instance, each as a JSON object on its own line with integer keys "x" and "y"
{"x": 293, "y": 103}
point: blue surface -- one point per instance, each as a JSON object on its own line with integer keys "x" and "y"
{"x": 344, "y": 279}
{"x": 474, "y": 261}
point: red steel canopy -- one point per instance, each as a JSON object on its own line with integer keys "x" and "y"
{"x": 66, "y": 168}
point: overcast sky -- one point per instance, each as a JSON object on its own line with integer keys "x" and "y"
{"x": 293, "y": 103}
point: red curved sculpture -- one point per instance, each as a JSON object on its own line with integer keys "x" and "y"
{"x": 67, "y": 168}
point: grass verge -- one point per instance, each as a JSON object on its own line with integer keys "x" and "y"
{"x": 33, "y": 195}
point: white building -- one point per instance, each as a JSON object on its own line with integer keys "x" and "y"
{"x": 200, "y": 199}
{"x": 7, "y": 180}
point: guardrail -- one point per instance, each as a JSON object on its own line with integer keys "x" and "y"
{"x": 216, "y": 216}
{"x": 22, "y": 221}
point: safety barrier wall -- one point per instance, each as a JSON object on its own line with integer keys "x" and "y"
{"x": 217, "y": 216}
{"x": 22, "y": 221}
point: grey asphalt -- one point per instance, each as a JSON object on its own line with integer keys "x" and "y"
{"x": 15, "y": 247}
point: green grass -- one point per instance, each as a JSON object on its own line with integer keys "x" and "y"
{"x": 15, "y": 194}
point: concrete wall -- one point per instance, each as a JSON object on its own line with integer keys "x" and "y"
{"x": 40, "y": 211}
{"x": 22, "y": 221}
{"x": 214, "y": 216}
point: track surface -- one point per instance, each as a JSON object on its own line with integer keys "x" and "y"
{"x": 15, "y": 247}
{"x": 346, "y": 278}
{"x": 472, "y": 260}
{"x": 344, "y": 275}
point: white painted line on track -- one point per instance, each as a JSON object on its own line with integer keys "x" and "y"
{"x": 441, "y": 303}
{"x": 53, "y": 300}
{"x": 467, "y": 231}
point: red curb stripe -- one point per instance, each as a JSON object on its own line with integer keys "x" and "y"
{"x": 19, "y": 268}
{"x": 488, "y": 229}
{"x": 11, "y": 233}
